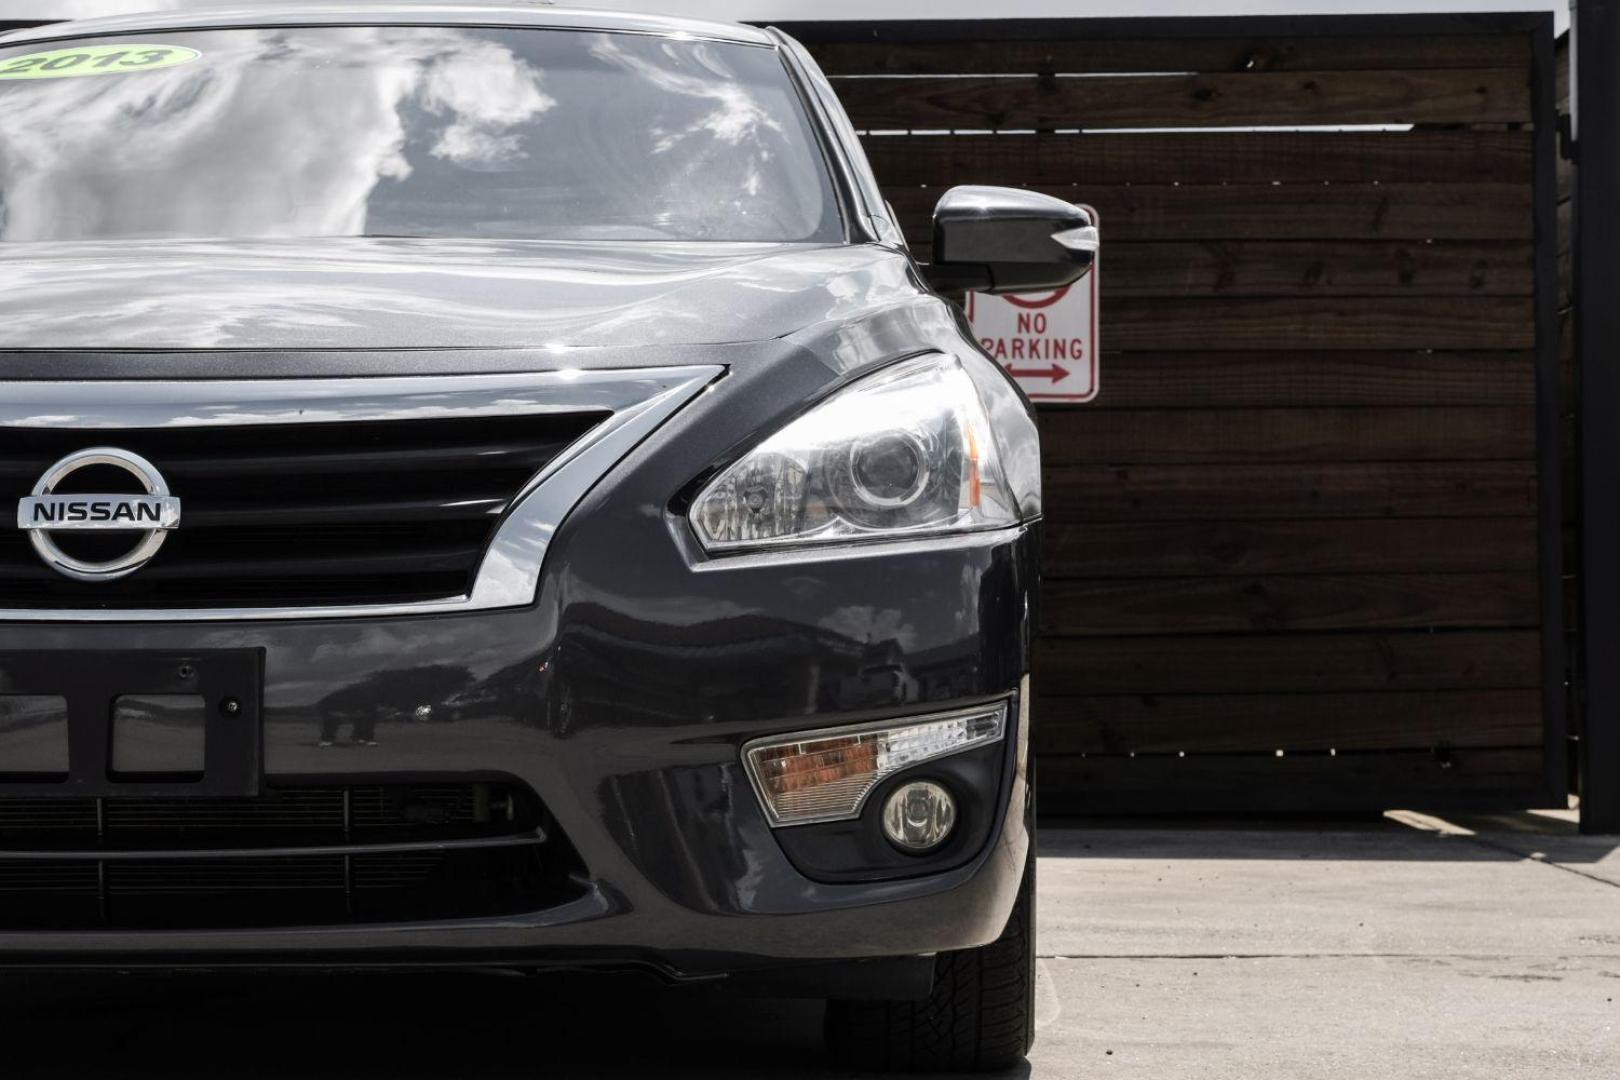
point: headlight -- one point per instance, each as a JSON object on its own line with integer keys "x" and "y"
{"x": 908, "y": 451}
{"x": 826, "y": 775}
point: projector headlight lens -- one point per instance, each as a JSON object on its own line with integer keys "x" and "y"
{"x": 907, "y": 451}
{"x": 827, "y": 775}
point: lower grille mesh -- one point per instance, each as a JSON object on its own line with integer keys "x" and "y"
{"x": 374, "y": 853}
{"x": 182, "y": 877}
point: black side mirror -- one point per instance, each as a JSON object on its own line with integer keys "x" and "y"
{"x": 1007, "y": 240}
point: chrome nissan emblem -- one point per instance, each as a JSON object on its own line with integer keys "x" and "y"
{"x": 153, "y": 513}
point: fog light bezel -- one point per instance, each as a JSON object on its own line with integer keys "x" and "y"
{"x": 753, "y": 752}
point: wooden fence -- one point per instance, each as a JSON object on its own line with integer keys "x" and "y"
{"x": 1302, "y": 551}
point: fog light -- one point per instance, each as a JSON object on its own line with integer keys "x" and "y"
{"x": 826, "y": 775}
{"x": 919, "y": 816}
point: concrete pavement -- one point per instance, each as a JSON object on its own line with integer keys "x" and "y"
{"x": 1407, "y": 947}
{"x": 1413, "y": 947}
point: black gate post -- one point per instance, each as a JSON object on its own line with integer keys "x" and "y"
{"x": 1596, "y": 107}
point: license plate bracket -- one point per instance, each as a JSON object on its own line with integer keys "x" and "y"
{"x": 230, "y": 682}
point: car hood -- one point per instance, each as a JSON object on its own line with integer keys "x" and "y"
{"x": 418, "y": 294}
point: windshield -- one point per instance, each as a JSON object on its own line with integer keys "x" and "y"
{"x": 406, "y": 131}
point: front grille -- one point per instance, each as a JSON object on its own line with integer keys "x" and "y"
{"x": 320, "y": 813}
{"x": 362, "y": 853}
{"x": 292, "y": 514}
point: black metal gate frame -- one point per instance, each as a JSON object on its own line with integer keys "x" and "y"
{"x": 1595, "y": 92}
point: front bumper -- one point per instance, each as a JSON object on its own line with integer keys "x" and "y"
{"x": 622, "y": 698}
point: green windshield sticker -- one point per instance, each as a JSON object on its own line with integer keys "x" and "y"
{"x": 95, "y": 60}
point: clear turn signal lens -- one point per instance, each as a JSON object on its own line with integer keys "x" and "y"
{"x": 827, "y": 775}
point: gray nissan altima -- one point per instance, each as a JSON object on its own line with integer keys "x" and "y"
{"x": 493, "y": 488}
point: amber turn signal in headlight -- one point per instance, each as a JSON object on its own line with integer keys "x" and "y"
{"x": 826, "y": 775}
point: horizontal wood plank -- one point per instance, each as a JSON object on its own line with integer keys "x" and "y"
{"x": 1318, "y": 268}
{"x": 1235, "y": 723}
{"x": 1316, "y": 783}
{"x": 1293, "y": 603}
{"x": 1434, "y": 96}
{"x": 1262, "y": 323}
{"x": 1314, "y": 212}
{"x": 1200, "y": 379}
{"x": 1202, "y": 158}
{"x": 1289, "y": 663}
{"x": 1102, "y": 55}
{"x": 1217, "y": 549}
{"x": 1166, "y": 436}
{"x": 1091, "y": 493}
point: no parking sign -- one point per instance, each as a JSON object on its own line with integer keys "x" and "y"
{"x": 1047, "y": 341}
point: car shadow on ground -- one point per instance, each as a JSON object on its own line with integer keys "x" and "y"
{"x": 1395, "y": 836}
{"x": 443, "y": 1025}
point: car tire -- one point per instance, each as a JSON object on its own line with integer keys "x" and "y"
{"x": 980, "y": 1016}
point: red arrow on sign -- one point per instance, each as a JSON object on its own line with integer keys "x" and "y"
{"x": 1056, "y": 373}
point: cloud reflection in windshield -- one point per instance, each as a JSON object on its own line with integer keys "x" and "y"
{"x": 419, "y": 131}
{"x": 326, "y": 132}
